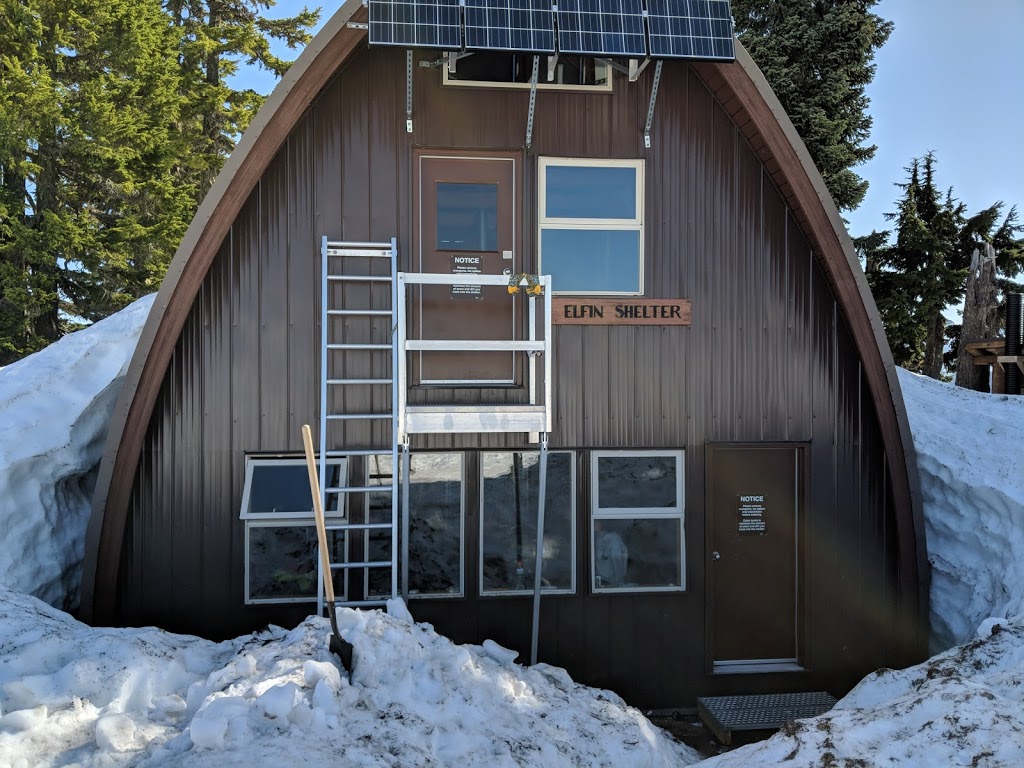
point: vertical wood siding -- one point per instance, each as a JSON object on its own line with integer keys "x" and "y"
{"x": 767, "y": 358}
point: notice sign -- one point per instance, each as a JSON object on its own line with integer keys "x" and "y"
{"x": 620, "y": 311}
{"x": 752, "y": 512}
{"x": 467, "y": 265}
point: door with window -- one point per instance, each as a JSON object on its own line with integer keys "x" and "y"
{"x": 755, "y": 511}
{"x": 466, "y": 223}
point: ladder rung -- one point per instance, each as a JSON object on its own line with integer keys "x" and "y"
{"x": 371, "y": 564}
{"x": 359, "y": 312}
{"x": 382, "y": 451}
{"x": 358, "y": 416}
{"x": 360, "y": 278}
{"x": 358, "y": 244}
{"x": 359, "y": 381}
{"x": 359, "y": 489}
{"x": 359, "y": 603}
{"x": 357, "y": 526}
{"x": 359, "y": 346}
{"x": 372, "y": 253}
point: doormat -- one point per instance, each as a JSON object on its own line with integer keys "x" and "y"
{"x": 764, "y": 712}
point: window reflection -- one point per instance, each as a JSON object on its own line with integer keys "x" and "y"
{"x": 467, "y": 217}
{"x": 590, "y": 192}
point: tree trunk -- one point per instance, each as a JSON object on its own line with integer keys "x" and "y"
{"x": 981, "y": 303}
{"x": 934, "y": 344}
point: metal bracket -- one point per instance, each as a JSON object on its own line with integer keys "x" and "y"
{"x": 408, "y": 91}
{"x": 357, "y": 25}
{"x": 533, "y": 101}
{"x": 552, "y": 63}
{"x": 636, "y": 68}
{"x": 650, "y": 107}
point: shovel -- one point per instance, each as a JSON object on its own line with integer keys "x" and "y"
{"x": 339, "y": 646}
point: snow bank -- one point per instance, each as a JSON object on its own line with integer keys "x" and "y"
{"x": 972, "y": 480}
{"x": 55, "y": 410}
{"x": 71, "y": 694}
{"x": 962, "y": 707}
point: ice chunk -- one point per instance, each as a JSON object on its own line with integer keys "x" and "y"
{"x": 991, "y": 626}
{"x": 499, "y": 653}
{"x": 115, "y": 733}
{"x": 221, "y": 718}
{"x": 279, "y": 701}
{"x": 23, "y": 719}
{"x": 398, "y": 609}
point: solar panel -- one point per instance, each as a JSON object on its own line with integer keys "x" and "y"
{"x": 510, "y": 25}
{"x": 416, "y": 23}
{"x": 691, "y": 29}
{"x": 602, "y": 28}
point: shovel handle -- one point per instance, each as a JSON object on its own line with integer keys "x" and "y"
{"x": 318, "y": 513}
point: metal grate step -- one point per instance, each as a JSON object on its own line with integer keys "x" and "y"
{"x": 764, "y": 712}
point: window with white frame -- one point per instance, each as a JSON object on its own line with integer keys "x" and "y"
{"x": 508, "y": 523}
{"x": 280, "y": 532}
{"x": 591, "y": 225}
{"x": 436, "y": 524}
{"x": 498, "y": 69}
{"x": 637, "y": 514}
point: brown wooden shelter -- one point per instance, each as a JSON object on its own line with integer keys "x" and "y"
{"x": 732, "y": 503}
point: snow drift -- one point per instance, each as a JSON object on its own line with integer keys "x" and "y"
{"x": 972, "y": 481}
{"x": 55, "y": 410}
{"x": 71, "y": 694}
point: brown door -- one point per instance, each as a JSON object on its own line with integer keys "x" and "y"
{"x": 754, "y": 513}
{"x": 466, "y": 224}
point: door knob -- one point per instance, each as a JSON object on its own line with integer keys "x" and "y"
{"x": 716, "y": 556}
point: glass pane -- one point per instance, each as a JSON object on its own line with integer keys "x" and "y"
{"x": 633, "y": 554}
{"x": 590, "y": 192}
{"x": 282, "y": 561}
{"x": 509, "y": 523}
{"x": 435, "y": 523}
{"x": 592, "y": 260}
{"x": 636, "y": 482}
{"x": 467, "y": 217}
{"x": 285, "y": 488}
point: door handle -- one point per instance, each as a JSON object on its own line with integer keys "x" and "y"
{"x": 716, "y": 556}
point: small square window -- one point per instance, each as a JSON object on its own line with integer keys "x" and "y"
{"x": 280, "y": 533}
{"x": 638, "y": 524}
{"x": 508, "y": 523}
{"x": 590, "y": 220}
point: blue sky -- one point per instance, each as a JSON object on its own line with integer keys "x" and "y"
{"x": 950, "y": 79}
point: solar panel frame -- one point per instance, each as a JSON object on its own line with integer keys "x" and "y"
{"x": 416, "y": 23}
{"x": 691, "y": 29}
{"x": 602, "y": 28}
{"x": 526, "y": 26}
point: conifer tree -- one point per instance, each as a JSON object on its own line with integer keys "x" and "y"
{"x": 89, "y": 209}
{"x": 817, "y": 55}
{"x": 216, "y": 37}
{"x": 916, "y": 278}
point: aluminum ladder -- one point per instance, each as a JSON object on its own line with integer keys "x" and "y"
{"x": 344, "y": 265}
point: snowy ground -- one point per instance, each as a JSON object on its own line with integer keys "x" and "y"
{"x": 74, "y": 695}
{"x": 71, "y": 694}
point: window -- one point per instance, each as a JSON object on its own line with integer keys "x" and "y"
{"x": 435, "y": 524}
{"x": 494, "y": 69}
{"x": 280, "y": 533}
{"x": 637, "y": 537}
{"x": 591, "y": 225}
{"x": 508, "y": 523}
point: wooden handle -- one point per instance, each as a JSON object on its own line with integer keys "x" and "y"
{"x": 318, "y": 513}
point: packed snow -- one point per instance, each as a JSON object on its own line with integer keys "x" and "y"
{"x": 71, "y": 694}
{"x": 972, "y": 480}
{"x": 75, "y": 695}
{"x": 55, "y": 409}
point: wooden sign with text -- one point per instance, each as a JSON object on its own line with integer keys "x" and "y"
{"x": 620, "y": 311}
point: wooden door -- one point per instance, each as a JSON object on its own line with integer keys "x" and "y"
{"x": 754, "y": 513}
{"x": 467, "y": 223}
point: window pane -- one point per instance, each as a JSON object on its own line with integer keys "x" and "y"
{"x": 467, "y": 217}
{"x": 633, "y": 554}
{"x": 282, "y": 561}
{"x": 592, "y": 260}
{"x": 285, "y": 488}
{"x": 435, "y": 524}
{"x": 590, "y": 192}
{"x": 636, "y": 482}
{"x": 511, "y": 482}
